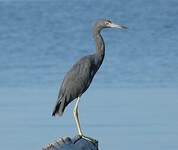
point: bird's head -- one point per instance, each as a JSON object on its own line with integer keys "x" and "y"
{"x": 101, "y": 24}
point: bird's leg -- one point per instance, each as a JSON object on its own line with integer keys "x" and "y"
{"x": 75, "y": 112}
{"x": 76, "y": 116}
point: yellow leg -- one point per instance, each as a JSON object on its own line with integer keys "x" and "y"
{"x": 76, "y": 117}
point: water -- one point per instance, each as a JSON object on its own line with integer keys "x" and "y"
{"x": 40, "y": 40}
{"x": 133, "y": 118}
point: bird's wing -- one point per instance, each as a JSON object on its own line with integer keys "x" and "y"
{"x": 75, "y": 83}
{"x": 77, "y": 80}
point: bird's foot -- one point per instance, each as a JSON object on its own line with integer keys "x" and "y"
{"x": 93, "y": 141}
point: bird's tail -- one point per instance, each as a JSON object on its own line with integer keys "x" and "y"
{"x": 59, "y": 108}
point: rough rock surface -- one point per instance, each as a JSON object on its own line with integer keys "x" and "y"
{"x": 76, "y": 143}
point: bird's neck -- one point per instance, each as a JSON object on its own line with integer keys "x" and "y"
{"x": 100, "y": 46}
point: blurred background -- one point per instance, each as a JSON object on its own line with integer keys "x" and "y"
{"x": 132, "y": 102}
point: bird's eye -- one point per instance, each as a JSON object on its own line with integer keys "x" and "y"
{"x": 107, "y": 23}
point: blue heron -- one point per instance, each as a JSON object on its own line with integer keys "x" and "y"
{"x": 80, "y": 76}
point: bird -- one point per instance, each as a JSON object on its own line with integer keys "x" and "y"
{"x": 78, "y": 79}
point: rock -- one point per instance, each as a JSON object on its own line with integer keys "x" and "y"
{"x": 76, "y": 143}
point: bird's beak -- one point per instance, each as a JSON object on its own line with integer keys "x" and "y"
{"x": 112, "y": 25}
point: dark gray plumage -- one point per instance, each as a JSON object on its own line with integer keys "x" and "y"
{"x": 76, "y": 82}
{"x": 80, "y": 76}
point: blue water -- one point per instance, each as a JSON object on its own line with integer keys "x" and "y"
{"x": 40, "y": 40}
